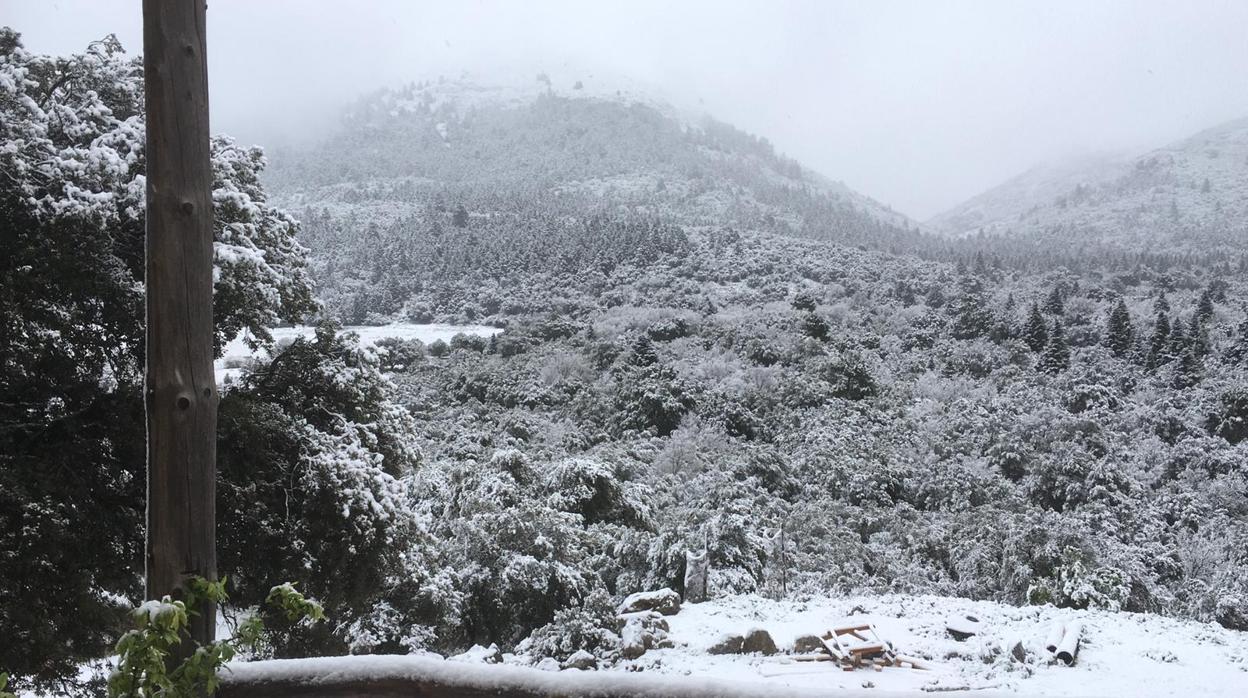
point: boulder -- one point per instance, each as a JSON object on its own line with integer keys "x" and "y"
{"x": 962, "y": 628}
{"x": 664, "y": 601}
{"x": 758, "y": 641}
{"x": 728, "y": 644}
{"x": 1017, "y": 652}
{"x": 805, "y": 644}
{"x": 642, "y": 631}
{"x": 581, "y": 660}
{"x": 649, "y": 619}
{"x": 632, "y": 649}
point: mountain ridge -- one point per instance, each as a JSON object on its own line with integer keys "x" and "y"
{"x": 1193, "y": 189}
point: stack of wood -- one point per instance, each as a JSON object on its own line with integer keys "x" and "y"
{"x": 860, "y": 646}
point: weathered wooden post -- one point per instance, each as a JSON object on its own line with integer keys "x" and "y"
{"x": 181, "y": 392}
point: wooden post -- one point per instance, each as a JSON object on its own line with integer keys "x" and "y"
{"x": 181, "y": 391}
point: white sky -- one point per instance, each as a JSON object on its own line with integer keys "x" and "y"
{"x": 919, "y": 104}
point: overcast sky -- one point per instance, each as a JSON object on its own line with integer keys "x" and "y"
{"x": 919, "y": 104}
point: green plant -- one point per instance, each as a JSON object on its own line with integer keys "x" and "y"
{"x": 4, "y": 681}
{"x": 143, "y": 666}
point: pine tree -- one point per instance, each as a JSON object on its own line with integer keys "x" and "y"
{"x": 1157, "y": 344}
{"x": 1187, "y": 369}
{"x": 1237, "y": 353}
{"x": 1161, "y": 305}
{"x": 1119, "y": 331}
{"x": 1035, "y": 330}
{"x": 1003, "y": 329}
{"x": 1180, "y": 339}
{"x": 1055, "y": 304}
{"x": 1056, "y": 355}
{"x": 1204, "y": 308}
{"x": 970, "y": 316}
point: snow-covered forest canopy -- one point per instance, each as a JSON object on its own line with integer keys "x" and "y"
{"x": 702, "y": 345}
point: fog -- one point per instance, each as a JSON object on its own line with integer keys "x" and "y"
{"x": 917, "y": 104}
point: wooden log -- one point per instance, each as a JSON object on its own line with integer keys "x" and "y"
{"x": 914, "y": 662}
{"x": 1068, "y": 648}
{"x": 1055, "y": 637}
{"x": 180, "y": 390}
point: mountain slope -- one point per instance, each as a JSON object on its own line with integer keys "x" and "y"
{"x": 468, "y": 142}
{"x": 1189, "y": 194}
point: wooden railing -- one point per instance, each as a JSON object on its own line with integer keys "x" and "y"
{"x": 409, "y": 677}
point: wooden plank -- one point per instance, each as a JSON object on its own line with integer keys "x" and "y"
{"x": 181, "y": 392}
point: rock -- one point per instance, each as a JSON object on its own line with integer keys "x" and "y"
{"x": 758, "y": 641}
{"x": 806, "y": 644}
{"x": 644, "y": 630}
{"x": 650, "y": 619}
{"x": 581, "y": 660}
{"x": 697, "y": 567}
{"x": 632, "y": 650}
{"x": 1018, "y": 652}
{"x": 962, "y": 628}
{"x": 548, "y": 664}
{"x": 664, "y": 601}
{"x": 728, "y": 644}
{"x": 477, "y": 653}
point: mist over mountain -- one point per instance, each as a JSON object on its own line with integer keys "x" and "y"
{"x": 465, "y": 137}
{"x": 1193, "y": 193}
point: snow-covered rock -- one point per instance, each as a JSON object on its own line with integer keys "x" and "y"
{"x": 729, "y": 643}
{"x": 664, "y": 601}
{"x": 581, "y": 660}
{"x": 758, "y": 641}
{"x": 479, "y": 654}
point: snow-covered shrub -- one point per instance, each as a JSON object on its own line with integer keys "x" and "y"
{"x": 1074, "y": 584}
{"x": 591, "y": 626}
{"x": 310, "y": 462}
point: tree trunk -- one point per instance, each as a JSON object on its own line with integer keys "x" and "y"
{"x": 181, "y": 392}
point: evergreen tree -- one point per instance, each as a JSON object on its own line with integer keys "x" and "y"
{"x": 1055, "y": 304}
{"x": 1159, "y": 341}
{"x": 1187, "y": 369}
{"x": 1119, "y": 331}
{"x": 1056, "y": 355}
{"x": 1035, "y": 330}
{"x": 1204, "y": 307}
{"x": 1003, "y": 329}
{"x": 971, "y": 318}
{"x": 1237, "y": 353}
{"x": 1161, "y": 304}
{"x": 1180, "y": 340}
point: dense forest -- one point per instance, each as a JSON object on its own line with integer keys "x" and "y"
{"x": 703, "y": 345}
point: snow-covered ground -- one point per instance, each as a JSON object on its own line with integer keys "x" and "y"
{"x": 1122, "y": 654}
{"x": 237, "y": 354}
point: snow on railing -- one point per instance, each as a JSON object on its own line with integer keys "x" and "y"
{"x": 400, "y": 676}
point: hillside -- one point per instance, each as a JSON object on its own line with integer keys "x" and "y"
{"x": 1190, "y": 194}
{"x": 463, "y": 142}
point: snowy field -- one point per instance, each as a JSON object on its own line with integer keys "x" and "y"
{"x": 237, "y": 354}
{"x": 1122, "y": 654}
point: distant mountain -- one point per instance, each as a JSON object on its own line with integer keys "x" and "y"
{"x": 1191, "y": 193}
{"x": 463, "y": 142}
